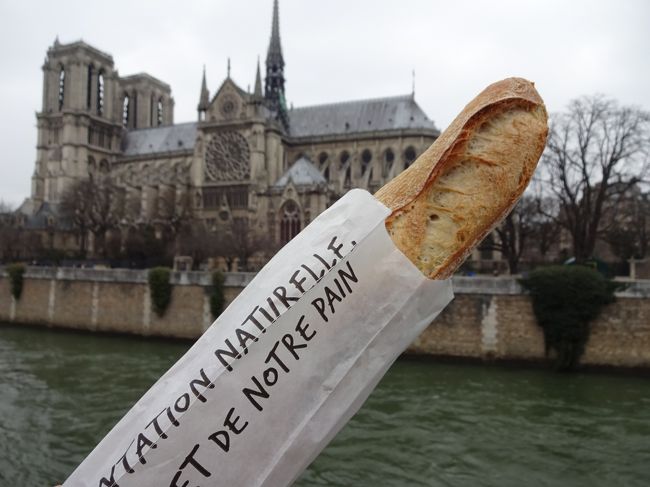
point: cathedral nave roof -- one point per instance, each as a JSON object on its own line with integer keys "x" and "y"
{"x": 167, "y": 138}
{"x": 390, "y": 113}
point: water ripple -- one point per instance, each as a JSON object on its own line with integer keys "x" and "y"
{"x": 426, "y": 424}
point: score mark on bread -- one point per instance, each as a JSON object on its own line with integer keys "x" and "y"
{"x": 460, "y": 188}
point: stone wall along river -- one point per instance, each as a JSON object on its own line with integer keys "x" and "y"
{"x": 490, "y": 317}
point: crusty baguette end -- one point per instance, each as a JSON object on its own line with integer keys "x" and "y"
{"x": 460, "y": 188}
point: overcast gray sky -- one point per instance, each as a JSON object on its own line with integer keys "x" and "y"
{"x": 334, "y": 50}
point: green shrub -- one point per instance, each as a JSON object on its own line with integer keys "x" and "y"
{"x": 217, "y": 298}
{"x": 160, "y": 289}
{"x": 16, "y": 272}
{"x": 566, "y": 299}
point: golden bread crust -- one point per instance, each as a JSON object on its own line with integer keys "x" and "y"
{"x": 459, "y": 189}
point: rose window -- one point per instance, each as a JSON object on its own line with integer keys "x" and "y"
{"x": 227, "y": 157}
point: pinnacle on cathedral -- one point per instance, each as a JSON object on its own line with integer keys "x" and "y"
{"x": 258, "y": 81}
{"x": 274, "y": 83}
{"x": 204, "y": 99}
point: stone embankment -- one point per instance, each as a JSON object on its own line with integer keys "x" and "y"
{"x": 490, "y": 318}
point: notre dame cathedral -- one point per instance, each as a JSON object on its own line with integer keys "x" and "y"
{"x": 246, "y": 156}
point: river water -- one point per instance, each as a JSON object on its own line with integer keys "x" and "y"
{"x": 427, "y": 424}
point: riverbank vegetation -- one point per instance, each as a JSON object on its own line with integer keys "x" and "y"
{"x": 566, "y": 299}
{"x": 16, "y": 272}
{"x": 160, "y": 289}
{"x": 217, "y": 296}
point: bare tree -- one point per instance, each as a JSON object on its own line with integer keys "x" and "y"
{"x": 512, "y": 237}
{"x": 546, "y": 229}
{"x": 596, "y": 152}
{"x": 5, "y": 208}
{"x": 199, "y": 242}
{"x": 242, "y": 240}
{"x": 8, "y": 230}
{"x": 628, "y": 234}
{"x": 92, "y": 205}
{"x": 17, "y": 242}
{"x": 175, "y": 214}
{"x": 74, "y": 207}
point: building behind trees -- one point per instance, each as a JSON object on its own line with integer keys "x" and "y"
{"x": 116, "y": 178}
{"x": 247, "y": 156}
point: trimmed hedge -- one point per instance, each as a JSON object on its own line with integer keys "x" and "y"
{"x": 160, "y": 289}
{"x": 217, "y": 298}
{"x": 566, "y": 299}
{"x": 16, "y": 272}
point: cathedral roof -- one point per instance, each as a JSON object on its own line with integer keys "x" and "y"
{"x": 135, "y": 78}
{"x": 353, "y": 117}
{"x": 46, "y": 216}
{"x": 168, "y": 138}
{"x": 80, "y": 44}
{"x": 301, "y": 173}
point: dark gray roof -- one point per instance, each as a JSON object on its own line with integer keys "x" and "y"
{"x": 27, "y": 207}
{"x": 302, "y": 173}
{"x": 392, "y": 113}
{"x": 80, "y": 44}
{"x": 168, "y": 138}
{"x": 40, "y": 219}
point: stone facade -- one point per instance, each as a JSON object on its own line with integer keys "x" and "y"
{"x": 235, "y": 162}
{"x": 86, "y": 108}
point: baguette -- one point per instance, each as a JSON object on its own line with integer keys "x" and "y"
{"x": 469, "y": 179}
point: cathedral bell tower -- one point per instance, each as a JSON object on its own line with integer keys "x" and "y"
{"x": 274, "y": 82}
{"x": 78, "y": 126}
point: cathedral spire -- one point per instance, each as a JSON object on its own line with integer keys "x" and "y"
{"x": 275, "y": 48}
{"x": 274, "y": 82}
{"x": 258, "y": 81}
{"x": 204, "y": 99}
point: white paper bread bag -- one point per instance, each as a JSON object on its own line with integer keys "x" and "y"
{"x": 295, "y": 355}
{"x": 285, "y": 366}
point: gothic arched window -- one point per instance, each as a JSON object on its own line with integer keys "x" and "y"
{"x": 92, "y": 165}
{"x": 126, "y": 108}
{"x": 366, "y": 157}
{"x": 409, "y": 156}
{"x": 61, "y": 86}
{"x": 104, "y": 167}
{"x": 347, "y": 183}
{"x": 290, "y": 223}
{"x": 134, "y": 111}
{"x": 159, "y": 112}
{"x": 152, "y": 107}
{"x": 389, "y": 158}
{"x": 89, "y": 87}
{"x": 323, "y": 165}
{"x": 343, "y": 158}
{"x": 100, "y": 93}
